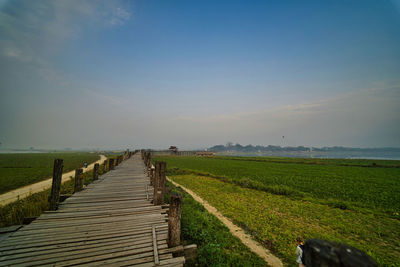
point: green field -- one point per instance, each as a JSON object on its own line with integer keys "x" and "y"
{"x": 341, "y": 183}
{"x": 278, "y": 201}
{"x": 321, "y": 161}
{"x": 17, "y": 170}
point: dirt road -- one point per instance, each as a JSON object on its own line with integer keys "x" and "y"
{"x": 25, "y": 191}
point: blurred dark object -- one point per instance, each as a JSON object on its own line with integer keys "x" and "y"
{"x": 324, "y": 253}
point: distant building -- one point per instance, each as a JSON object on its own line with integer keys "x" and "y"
{"x": 204, "y": 153}
{"x": 173, "y": 149}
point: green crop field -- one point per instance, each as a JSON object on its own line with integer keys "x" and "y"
{"x": 344, "y": 183}
{"x": 278, "y": 200}
{"x": 17, "y": 170}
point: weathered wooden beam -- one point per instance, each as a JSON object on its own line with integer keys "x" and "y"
{"x": 152, "y": 174}
{"x": 145, "y": 158}
{"x": 159, "y": 183}
{"x": 156, "y": 182}
{"x": 163, "y": 178}
{"x": 78, "y": 180}
{"x": 96, "y": 171}
{"x": 111, "y": 164}
{"x": 178, "y": 249}
{"x": 174, "y": 220}
{"x": 105, "y": 166}
{"x": 148, "y": 160}
{"x": 56, "y": 184}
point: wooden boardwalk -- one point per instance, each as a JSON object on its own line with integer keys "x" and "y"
{"x": 112, "y": 222}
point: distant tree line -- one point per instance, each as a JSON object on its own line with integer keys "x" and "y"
{"x": 230, "y": 147}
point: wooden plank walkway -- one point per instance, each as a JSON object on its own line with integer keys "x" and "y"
{"x": 112, "y": 222}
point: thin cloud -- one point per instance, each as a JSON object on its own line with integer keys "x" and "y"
{"x": 119, "y": 16}
{"x": 33, "y": 32}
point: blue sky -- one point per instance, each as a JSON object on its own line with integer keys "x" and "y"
{"x": 111, "y": 74}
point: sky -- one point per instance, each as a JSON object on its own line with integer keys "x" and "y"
{"x": 101, "y": 74}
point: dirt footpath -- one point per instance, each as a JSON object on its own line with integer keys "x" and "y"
{"x": 253, "y": 245}
{"x": 25, "y": 191}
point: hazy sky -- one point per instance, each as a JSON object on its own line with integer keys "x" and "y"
{"x": 116, "y": 74}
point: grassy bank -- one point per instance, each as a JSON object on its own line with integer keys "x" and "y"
{"x": 277, "y": 202}
{"x": 216, "y": 245}
{"x": 34, "y": 205}
{"x": 17, "y": 170}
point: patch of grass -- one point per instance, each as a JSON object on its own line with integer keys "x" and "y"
{"x": 327, "y": 180}
{"x": 34, "y": 205}
{"x": 216, "y": 245}
{"x": 276, "y": 220}
{"x": 17, "y": 170}
{"x": 247, "y": 183}
{"x": 376, "y": 163}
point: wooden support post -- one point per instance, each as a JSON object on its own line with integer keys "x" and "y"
{"x": 111, "y": 164}
{"x": 174, "y": 220}
{"x": 116, "y": 161}
{"x": 163, "y": 178}
{"x": 105, "y": 166}
{"x": 149, "y": 161}
{"x": 156, "y": 182}
{"x": 78, "y": 180}
{"x": 96, "y": 172}
{"x": 56, "y": 185}
{"x": 152, "y": 174}
{"x": 159, "y": 183}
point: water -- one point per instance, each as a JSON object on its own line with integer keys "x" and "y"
{"x": 20, "y": 151}
{"x": 378, "y": 155}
